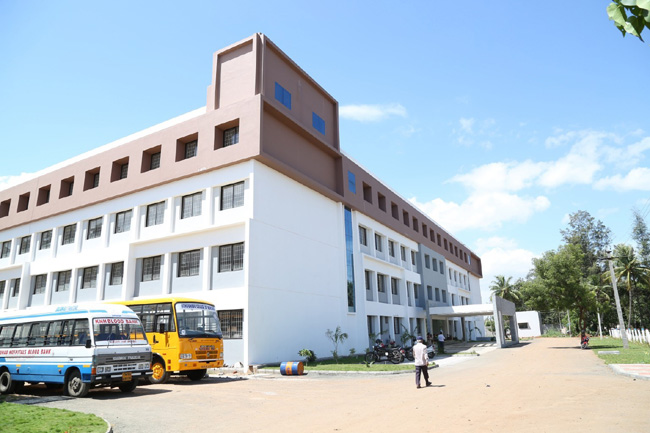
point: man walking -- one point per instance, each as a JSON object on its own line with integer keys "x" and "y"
{"x": 421, "y": 362}
{"x": 441, "y": 342}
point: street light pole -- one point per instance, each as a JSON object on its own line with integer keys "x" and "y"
{"x": 621, "y": 324}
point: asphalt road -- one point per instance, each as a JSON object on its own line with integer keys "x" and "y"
{"x": 548, "y": 385}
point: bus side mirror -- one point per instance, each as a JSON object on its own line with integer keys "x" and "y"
{"x": 161, "y": 328}
{"x": 89, "y": 344}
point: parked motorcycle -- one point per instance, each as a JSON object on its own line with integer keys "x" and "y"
{"x": 408, "y": 352}
{"x": 584, "y": 342}
{"x": 380, "y": 351}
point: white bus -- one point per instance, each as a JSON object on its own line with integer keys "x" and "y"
{"x": 75, "y": 346}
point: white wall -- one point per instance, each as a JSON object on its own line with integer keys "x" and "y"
{"x": 533, "y": 327}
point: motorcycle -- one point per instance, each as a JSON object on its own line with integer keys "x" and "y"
{"x": 584, "y": 342}
{"x": 380, "y": 351}
{"x": 408, "y": 352}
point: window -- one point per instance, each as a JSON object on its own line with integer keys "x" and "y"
{"x": 378, "y": 242}
{"x": 89, "y": 280}
{"x": 2, "y": 288}
{"x": 381, "y": 286}
{"x": 444, "y": 296}
{"x": 24, "y": 244}
{"x": 416, "y": 291}
{"x": 437, "y": 294}
{"x": 391, "y": 248}
{"x": 231, "y": 257}
{"x": 123, "y": 221}
{"x": 352, "y": 182}
{"x": 43, "y": 195}
{"x": 95, "y": 180}
{"x": 68, "y": 234}
{"x": 67, "y": 186}
{"x": 231, "y": 323}
{"x": 397, "y": 328}
{"x": 4, "y": 208}
{"x": 189, "y": 263}
{"x": 231, "y": 136}
{"x": 155, "y": 161}
{"x": 151, "y": 268}
{"x": 191, "y": 149}
{"x": 394, "y": 285}
{"x": 318, "y": 123}
{"x": 94, "y": 228}
{"x": 46, "y": 240}
{"x": 232, "y": 195}
{"x": 523, "y": 325}
{"x": 39, "y": 284}
{"x": 426, "y": 261}
{"x": 349, "y": 259}
{"x": 282, "y": 95}
{"x": 430, "y": 293}
{"x": 367, "y": 192}
{"x": 23, "y": 202}
{"x": 403, "y": 253}
{"x": 124, "y": 170}
{"x": 434, "y": 264}
{"x": 16, "y": 290}
{"x": 155, "y": 214}
{"x": 63, "y": 281}
{"x": 117, "y": 273}
{"x": 442, "y": 268}
{"x": 363, "y": 236}
{"x": 191, "y": 205}
{"x": 368, "y": 275}
{"x": 413, "y": 258}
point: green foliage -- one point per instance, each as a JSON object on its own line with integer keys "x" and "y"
{"x": 309, "y": 355}
{"x": 503, "y": 288}
{"x": 336, "y": 337}
{"x": 353, "y": 351}
{"x": 636, "y": 354}
{"x": 630, "y": 16}
{"x": 22, "y": 418}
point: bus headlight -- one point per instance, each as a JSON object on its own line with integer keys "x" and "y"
{"x": 186, "y": 356}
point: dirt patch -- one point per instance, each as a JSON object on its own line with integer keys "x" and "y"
{"x": 548, "y": 385}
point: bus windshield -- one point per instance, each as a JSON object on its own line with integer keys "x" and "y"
{"x": 196, "y": 320}
{"x": 117, "y": 331}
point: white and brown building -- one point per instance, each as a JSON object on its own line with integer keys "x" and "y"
{"x": 249, "y": 203}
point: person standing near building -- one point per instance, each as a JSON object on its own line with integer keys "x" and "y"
{"x": 441, "y": 342}
{"x": 421, "y": 362}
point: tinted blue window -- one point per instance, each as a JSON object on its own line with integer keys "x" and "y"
{"x": 318, "y": 123}
{"x": 352, "y": 182}
{"x": 282, "y": 95}
{"x": 349, "y": 258}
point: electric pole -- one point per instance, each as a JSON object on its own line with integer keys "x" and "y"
{"x": 621, "y": 324}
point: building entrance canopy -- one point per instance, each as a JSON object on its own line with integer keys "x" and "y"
{"x": 499, "y": 308}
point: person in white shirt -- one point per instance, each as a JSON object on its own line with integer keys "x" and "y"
{"x": 441, "y": 343}
{"x": 421, "y": 362}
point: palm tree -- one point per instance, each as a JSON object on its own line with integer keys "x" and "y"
{"x": 629, "y": 270}
{"x": 502, "y": 288}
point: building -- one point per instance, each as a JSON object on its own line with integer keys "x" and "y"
{"x": 529, "y": 324}
{"x": 249, "y": 203}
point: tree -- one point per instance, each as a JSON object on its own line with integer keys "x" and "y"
{"x": 630, "y": 16}
{"x": 629, "y": 271}
{"x": 560, "y": 275}
{"x": 592, "y": 236}
{"x": 502, "y": 288}
{"x": 641, "y": 236}
{"x": 336, "y": 337}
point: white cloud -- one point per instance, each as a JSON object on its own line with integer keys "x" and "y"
{"x": 466, "y": 124}
{"x": 486, "y": 210}
{"x": 473, "y": 131}
{"x": 637, "y": 179}
{"x": 371, "y": 113}
{"x": 7, "y": 182}
{"x": 501, "y": 176}
{"x": 502, "y": 259}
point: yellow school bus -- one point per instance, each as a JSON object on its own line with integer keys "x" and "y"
{"x": 185, "y": 336}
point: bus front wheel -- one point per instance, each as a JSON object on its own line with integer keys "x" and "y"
{"x": 75, "y": 387}
{"x": 196, "y": 374}
{"x": 160, "y": 375}
{"x": 129, "y": 386}
{"x": 7, "y": 383}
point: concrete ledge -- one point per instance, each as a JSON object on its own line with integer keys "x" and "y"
{"x": 636, "y": 371}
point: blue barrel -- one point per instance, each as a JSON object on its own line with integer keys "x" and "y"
{"x": 291, "y": 368}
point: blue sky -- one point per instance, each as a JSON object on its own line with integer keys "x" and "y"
{"x": 497, "y": 118}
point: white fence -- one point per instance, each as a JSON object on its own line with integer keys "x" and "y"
{"x": 639, "y": 335}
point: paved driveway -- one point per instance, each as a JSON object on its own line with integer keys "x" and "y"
{"x": 548, "y": 385}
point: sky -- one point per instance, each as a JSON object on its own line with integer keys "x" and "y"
{"x": 498, "y": 119}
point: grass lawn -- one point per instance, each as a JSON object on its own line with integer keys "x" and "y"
{"x": 637, "y": 353}
{"x": 352, "y": 363}
{"x": 21, "y": 418}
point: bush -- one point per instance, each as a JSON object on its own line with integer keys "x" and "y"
{"x": 309, "y": 355}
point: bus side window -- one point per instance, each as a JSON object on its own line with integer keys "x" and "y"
{"x": 52, "y": 336}
{"x": 21, "y": 334}
{"x": 66, "y": 333}
{"x": 6, "y": 334}
{"x": 37, "y": 334}
{"x": 81, "y": 331}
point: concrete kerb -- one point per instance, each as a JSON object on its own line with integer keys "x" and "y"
{"x": 636, "y": 371}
